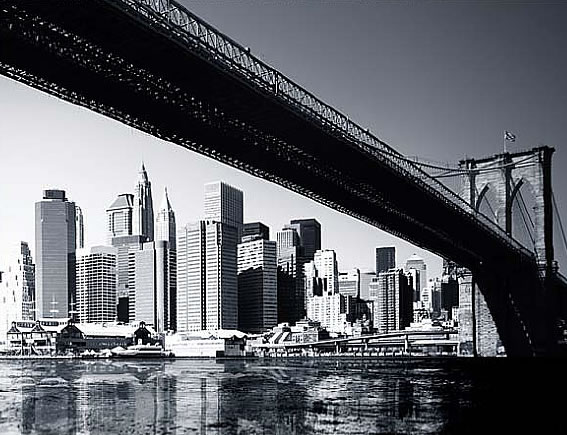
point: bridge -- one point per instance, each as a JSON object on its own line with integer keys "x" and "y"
{"x": 154, "y": 65}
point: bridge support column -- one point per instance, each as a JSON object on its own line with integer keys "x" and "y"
{"x": 478, "y": 335}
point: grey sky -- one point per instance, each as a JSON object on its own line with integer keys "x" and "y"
{"x": 441, "y": 80}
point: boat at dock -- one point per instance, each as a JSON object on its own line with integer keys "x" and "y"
{"x": 140, "y": 351}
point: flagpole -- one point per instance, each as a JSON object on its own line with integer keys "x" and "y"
{"x": 504, "y": 142}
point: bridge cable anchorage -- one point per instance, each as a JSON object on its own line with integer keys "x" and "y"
{"x": 556, "y": 210}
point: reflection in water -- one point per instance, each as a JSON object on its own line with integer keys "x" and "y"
{"x": 206, "y": 397}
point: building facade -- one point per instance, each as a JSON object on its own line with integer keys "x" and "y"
{"x": 207, "y": 284}
{"x": 55, "y": 241}
{"x": 153, "y": 300}
{"x": 349, "y": 283}
{"x": 291, "y": 295}
{"x": 257, "y": 284}
{"x": 391, "y": 295}
{"x": 96, "y": 284}
{"x": 225, "y": 204}
{"x": 17, "y": 287}
{"x": 309, "y": 231}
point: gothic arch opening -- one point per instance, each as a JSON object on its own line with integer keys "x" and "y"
{"x": 523, "y": 214}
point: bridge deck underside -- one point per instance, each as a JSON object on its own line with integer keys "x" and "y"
{"x": 135, "y": 73}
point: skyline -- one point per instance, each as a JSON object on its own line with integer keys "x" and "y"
{"x": 433, "y": 81}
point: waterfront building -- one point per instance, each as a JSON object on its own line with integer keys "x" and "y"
{"x": 17, "y": 287}
{"x": 416, "y": 266}
{"x": 55, "y": 241}
{"x": 96, "y": 284}
{"x": 385, "y": 259}
{"x": 143, "y": 211}
{"x": 349, "y": 283}
{"x": 225, "y": 204}
{"x": 166, "y": 231}
{"x": 309, "y": 231}
{"x": 391, "y": 295}
{"x": 207, "y": 284}
{"x": 257, "y": 284}
{"x": 152, "y": 301}
{"x": 119, "y": 217}
{"x": 206, "y": 344}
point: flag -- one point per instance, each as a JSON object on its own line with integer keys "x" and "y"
{"x": 509, "y": 136}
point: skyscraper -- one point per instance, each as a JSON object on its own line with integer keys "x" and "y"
{"x": 119, "y": 217}
{"x": 166, "y": 231}
{"x": 55, "y": 241}
{"x": 207, "y": 286}
{"x": 309, "y": 231}
{"x": 17, "y": 287}
{"x": 392, "y": 298}
{"x": 385, "y": 259}
{"x": 291, "y": 303}
{"x": 96, "y": 284}
{"x": 418, "y": 269}
{"x": 225, "y": 204}
{"x": 152, "y": 304}
{"x": 143, "y": 211}
{"x": 328, "y": 270}
{"x": 257, "y": 284}
{"x": 256, "y": 229}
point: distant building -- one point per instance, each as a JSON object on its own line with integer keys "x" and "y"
{"x": 391, "y": 295}
{"x": 418, "y": 269}
{"x": 143, "y": 209}
{"x": 207, "y": 285}
{"x": 152, "y": 304}
{"x": 330, "y": 310}
{"x": 385, "y": 259}
{"x": 126, "y": 248}
{"x": 96, "y": 284}
{"x": 291, "y": 300}
{"x": 17, "y": 287}
{"x": 166, "y": 230}
{"x": 326, "y": 264}
{"x": 309, "y": 231}
{"x": 55, "y": 241}
{"x": 257, "y": 285}
{"x": 349, "y": 283}
{"x": 449, "y": 289}
{"x": 225, "y": 204}
{"x": 80, "y": 228}
{"x": 119, "y": 217}
{"x": 365, "y": 280}
{"x": 256, "y": 229}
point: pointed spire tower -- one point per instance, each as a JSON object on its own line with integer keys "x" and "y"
{"x": 143, "y": 216}
{"x": 165, "y": 222}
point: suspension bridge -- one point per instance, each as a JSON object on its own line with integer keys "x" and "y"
{"x": 154, "y": 65}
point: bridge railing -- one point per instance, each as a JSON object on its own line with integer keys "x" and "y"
{"x": 182, "y": 25}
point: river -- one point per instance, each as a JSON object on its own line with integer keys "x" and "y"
{"x": 280, "y": 397}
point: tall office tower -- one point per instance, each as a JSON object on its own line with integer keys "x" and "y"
{"x": 80, "y": 228}
{"x": 119, "y": 217}
{"x": 391, "y": 295}
{"x": 55, "y": 241}
{"x": 328, "y": 270}
{"x": 126, "y": 247}
{"x": 385, "y": 259}
{"x": 349, "y": 283}
{"x": 417, "y": 267}
{"x": 17, "y": 287}
{"x": 96, "y": 284}
{"x": 143, "y": 209}
{"x": 449, "y": 288}
{"x": 224, "y": 204}
{"x": 365, "y": 280}
{"x": 256, "y": 229}
{"x": 257, "y": 284}
{"x": 152, "y": 304}
{"x": 207, "y": 285}
{"x": 309, "y": 231}
{"x": 291, "y": 295}
{"x": 166, "y": 231}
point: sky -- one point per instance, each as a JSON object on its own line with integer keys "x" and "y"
{"x": 440, "y": 80}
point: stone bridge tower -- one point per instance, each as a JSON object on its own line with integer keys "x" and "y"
{"x": 502, "y": 177}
